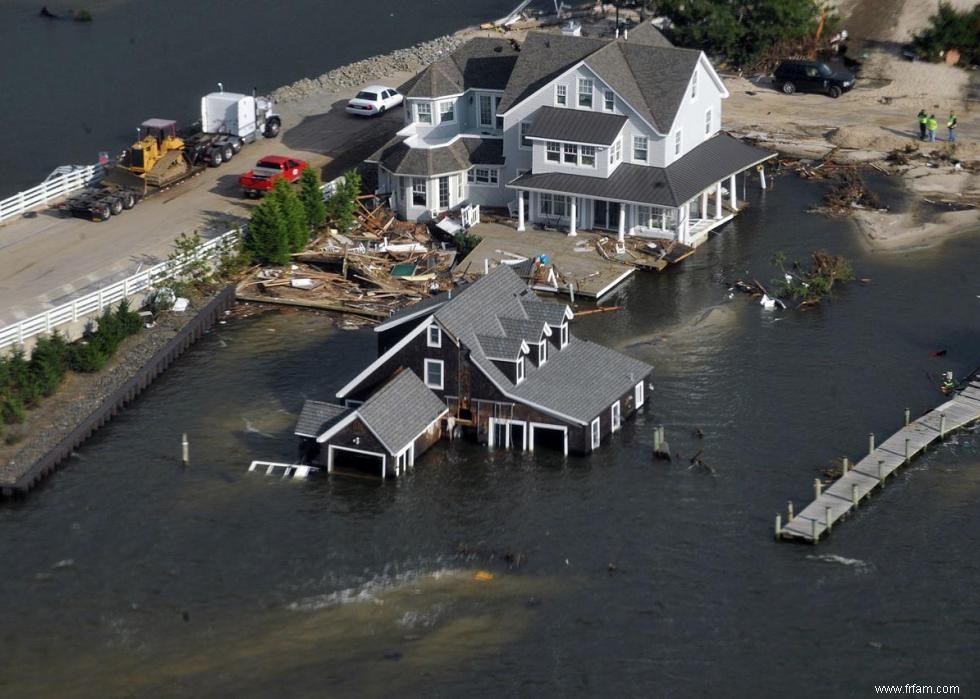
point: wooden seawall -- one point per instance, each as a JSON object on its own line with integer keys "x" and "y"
{"x": 839, "y": 499}
{"x": 156, "y": 365}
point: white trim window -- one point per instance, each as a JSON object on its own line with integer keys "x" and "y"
{"x": 525, "y": 141}
{"x": 483, "y": 176}
{"x": 447, "y": 112}
{"x": 677, "y": 142}
{"x": 570, "y": 151}
{"x": 434, "y": 336}
{"x": 499, "y": 121}
{"x": 552, "y": 205}
{"x": 553, "y": 151}
{"x": 641, "y": 148}
{"x": 434, "y": 373}
{"x": 608, "y": 100}
{"x": 615, "y": 417}
{"x": 520, "y": 370}
{"x": 459, "y": 188}
{"x": 561, "y": 95}
{"x": 564, "y": 335}
{"x": 486, "y": 111}
{"x": 423, "y": 112}
{"x": 596, "y": 433}
{"x": 638, "y": 396}
{"x": 419, "y": 190}
{"x": 707, "y": 121}
{"x": 585, "y": 86}
{"x": 542, "y": 352}
{"x": 694, "y": 84}
{"x": 587, "y": 156}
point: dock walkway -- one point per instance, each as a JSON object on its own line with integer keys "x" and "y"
{"x": 844, "y": 495}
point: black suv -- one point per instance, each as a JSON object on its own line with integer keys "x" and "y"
{"x": 812, "y": 76}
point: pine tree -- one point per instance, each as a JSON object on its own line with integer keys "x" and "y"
{"x": 294, "y": 215}
{"x": 267, "y": 240}
{"x": 312, "y": 197}
{"x": 342, "y": 206}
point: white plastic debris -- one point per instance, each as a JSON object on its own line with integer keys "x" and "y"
{"x": 181, "y": 304}
{"x": 767, "y": 302}
{"x": 303, "y": 283}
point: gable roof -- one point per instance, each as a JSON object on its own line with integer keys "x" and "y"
{"x": 398, "y": 157}
{"x": 481, "y": 62}
{"x": 576, "y": 125}
{"x": 673, "y": 185}
{"x": 425, "y": 307}
{"x": 646, "y": 33}
{"x": 401, "y": 410}
{"x": 317, "y": 417}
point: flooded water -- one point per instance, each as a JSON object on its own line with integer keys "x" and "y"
{"x": 73, "y": 89}
{"x": 126, "y": 575}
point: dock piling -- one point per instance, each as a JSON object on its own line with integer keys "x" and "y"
{"x": 817, "y": 487}
{"x": 908, "y": 452}
{"x": 779, "y": 526}
{"x": 881, "y": 472}
{"x": 854, "y": 494}
{"x": 826, "y": 517}
{"x": 789, "y": 510}
{"x": 185, "y": 448}
{"x": 813, "y": 531}
{"x": 845, "y": 465}
{"x": 871, "y": 443}
{"x": 907, "y": 415}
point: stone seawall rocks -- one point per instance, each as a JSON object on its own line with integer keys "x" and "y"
{"x": 411, "y": 59}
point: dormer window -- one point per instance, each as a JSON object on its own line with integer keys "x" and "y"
{"x": 434, "y": 336}
{"x": 486, "y": 111}
{"x": 585, "y": 93}
{"x": 447, "y": 112}
{"x": 561, "y": 95}
{"x": 707, "y": 122}
{"x": 694, "y": 85}
{"x": 553, "y": 151}
{"x": 520, "y": 370}
{"x": 564, "y": 334}
{"x": 525, "y": 141}
{"x": 542, "y": 352}
{"x": 640, "y": 148}
{"x": 677, "y": 142}
{"x": 423, "y": 112}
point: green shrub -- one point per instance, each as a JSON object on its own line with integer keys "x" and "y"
{"x": 312, "y": 197}
{"x": 951, "y": 29}
{"x": 294, "y": 215}
{"x": 465, "y": 242}
{"x": 267, "y": 240}
{"x": 342, "y": 206}
{"x": 49, "y": 362}
{"x": 12, "y": 410}
{"x": 87, "y": 357}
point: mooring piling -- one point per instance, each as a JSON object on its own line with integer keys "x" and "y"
{"x": 185, "y": 449}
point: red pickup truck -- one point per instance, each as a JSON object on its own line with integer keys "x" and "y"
{"x": 262, "y": 178}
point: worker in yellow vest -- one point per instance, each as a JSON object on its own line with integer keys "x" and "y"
{"x": 923, "y": 120}
{"x": 932, "y": 125}
{"x": 951, "y": 125}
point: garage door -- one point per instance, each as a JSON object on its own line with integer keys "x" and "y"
{"x": 356, "y": 461}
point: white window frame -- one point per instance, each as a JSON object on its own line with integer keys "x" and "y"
{"x": 459, "y": 188}
{"x": 587, "y": 156}
{"x": 423, "y": 108}
{"x": 488, "y": 113}
{"x": 433, "y": 338}
{"x": 525, "y": 142}
{"x": 694, "y": 84}
{"x": 569, "y": 154}
{"x": 483, "y": 176}
{"x": 417, "y": 190}
{"x": 595, "y": 431}
{"x": 708, "y": 121}
{"x": 564, "y": 335}
{"x": 442, "y": 373}
{"x": 561, "y": 95}
{"x": 615, "y": 417}
{"x": 638, "y": 395}
{"x": 552, "y": 148}
{"x": 520, "y": 370}
{"x": 542, "y": 352}
{"x": 608, "y": 100}
{"x": 584, "y": 88}
{"x": 498, "y": 120}
{"x": 678, "y": 142}
{"x": 549, "y": 204}
{"x": 641, "y": 220}
{"x": 638, "y": 148}
{"x": 447, "y": 108}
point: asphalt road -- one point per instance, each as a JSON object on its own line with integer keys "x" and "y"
{"x": 46, "y": 260}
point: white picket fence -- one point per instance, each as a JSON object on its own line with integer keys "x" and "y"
{"x": 63, "y": 180}
{"x": 95, "y": 302}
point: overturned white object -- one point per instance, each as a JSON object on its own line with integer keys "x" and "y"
{"x": 180, "y": 304}
{"x": 299, "y": 471}
{"x": 303, "y": 283}
{"x": 767, "y": 302}
{"x": 449, "y": 226}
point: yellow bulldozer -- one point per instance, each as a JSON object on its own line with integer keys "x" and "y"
{"x": 158, "y": 159}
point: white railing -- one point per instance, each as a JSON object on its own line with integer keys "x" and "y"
{"x": 63, "y": 180}
{"x": 95, "y": 302}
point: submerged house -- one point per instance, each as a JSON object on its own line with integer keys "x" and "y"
{"x": 574, "y": 132}
{"x": 491, "y": 359}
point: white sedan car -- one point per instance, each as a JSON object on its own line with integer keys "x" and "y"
{"x": 374, "y": 99}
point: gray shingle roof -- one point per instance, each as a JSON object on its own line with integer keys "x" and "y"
{"x": 680, "y": 181}
{"x": 550, "y": 313}
{"x": 542, "y": 58}
{"x": 397, "y": 157}
{"x": 578, "y": 382}
{"x": 496, "y": 347}
{"x": 576, "y": 125}
{"x": 523, "y": 328}
{"x": 482, "y": 62}
{"x": 646, "y": 33}
{"x": 316, "y": 418}
{"x": 418, "y": 309}
{"x": 400, "y": 410}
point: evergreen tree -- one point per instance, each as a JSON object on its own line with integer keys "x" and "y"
{"x": 49, "y": 362}
{"x": 267, "y": 238}
{"x": 342, "y": 206}
{"x": 294, "y": 215}
{"x": 312, "y": 197}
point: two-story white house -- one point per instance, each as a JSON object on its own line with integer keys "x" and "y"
{"x": 580, "y": 133}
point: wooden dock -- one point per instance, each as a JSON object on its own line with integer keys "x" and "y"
{"x": 838, "y": 500}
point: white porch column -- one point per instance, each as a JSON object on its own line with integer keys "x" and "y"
{"x": 573, "y": 214}
{"x": 731, "y": 193}
{"x": 622, "y": 222}
{"x": 682, "y": 215}
{"x": 703, "y": 213}
{"x": 718, "y": 200}
{"x": 520, "y": 210}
